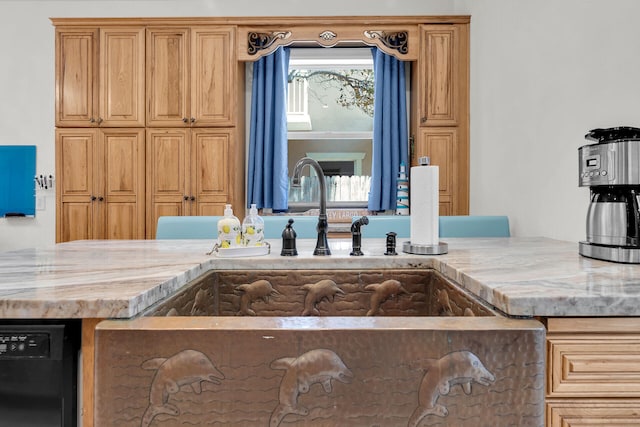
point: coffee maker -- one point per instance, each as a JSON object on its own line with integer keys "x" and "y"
{"x": 610, "y": 167}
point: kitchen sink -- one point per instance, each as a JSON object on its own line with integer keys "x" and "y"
{"x": 277, "y": 348}
{"x": 401, "y": 292}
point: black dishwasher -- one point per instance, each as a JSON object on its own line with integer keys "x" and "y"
{"x": 39, "y": 373}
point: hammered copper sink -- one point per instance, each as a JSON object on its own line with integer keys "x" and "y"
{"x": 274, "y": 348}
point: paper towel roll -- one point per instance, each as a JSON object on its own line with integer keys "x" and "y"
{"x": 425, "y": 207}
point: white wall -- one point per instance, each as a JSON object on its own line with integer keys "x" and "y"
{"x": 542, "y": 74}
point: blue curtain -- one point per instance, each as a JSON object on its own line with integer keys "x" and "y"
{"x": 390, "y": 136}
{"x": 267, "y": 180}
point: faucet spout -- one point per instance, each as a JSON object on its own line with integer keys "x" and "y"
{"x": 322, "y": 245}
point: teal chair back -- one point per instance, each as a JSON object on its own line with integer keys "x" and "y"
{"x": 474, "y": 226}
{"x": 448, "y": 226}
{"x": 305, "y": 226}
{"x": 187, "y": 227}
{"x": 380, "y": 225}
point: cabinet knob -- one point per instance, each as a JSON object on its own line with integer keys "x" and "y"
{"x": 185, "y": 120}
{"x": 93, "y": 198}
{"x": 101, "y": 199}
{"x": 92, "y": 120}
{"x": 193, "y": 119}
{"x": 423, "y": 120}
{"x": 185, "y": 198}
{"x": 192, "y": 198}
{"x": 100, "y": 120}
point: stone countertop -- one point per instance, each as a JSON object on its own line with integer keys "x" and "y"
{"x": 120, "y": 278}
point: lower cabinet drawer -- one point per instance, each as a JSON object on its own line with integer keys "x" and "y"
{"x": 609, "y": 413}
{"x": 594, "y": 366}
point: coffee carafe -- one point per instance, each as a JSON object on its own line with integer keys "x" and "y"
{"x": 611, "y": 169}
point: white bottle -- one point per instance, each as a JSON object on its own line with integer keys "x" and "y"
{"x": 253, "y": 228}
{"x": 229, "y": 234}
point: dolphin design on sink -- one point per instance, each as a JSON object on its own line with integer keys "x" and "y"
{"x": 186, "y": 368}
{"x": 459, "y": 367}
{"x": 318, "y": 366}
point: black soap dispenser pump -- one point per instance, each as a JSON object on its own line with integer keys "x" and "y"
{"x": 289, "y": 240}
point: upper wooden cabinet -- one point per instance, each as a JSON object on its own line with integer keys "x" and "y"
{"x": 439, "y": 68}
{"x": 100, "y": 77}
{"x": 191, "y": 76}
{"x": 101, "y": 181}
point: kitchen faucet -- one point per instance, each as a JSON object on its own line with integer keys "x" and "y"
{"x": 322, "y": 246}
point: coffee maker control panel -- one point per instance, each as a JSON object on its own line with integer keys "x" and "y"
{"x": 597, "y": 166}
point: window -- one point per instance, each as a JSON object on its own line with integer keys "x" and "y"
{"x": 330, "y": 119}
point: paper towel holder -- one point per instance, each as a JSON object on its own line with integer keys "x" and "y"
{"x": 439, "y": 249}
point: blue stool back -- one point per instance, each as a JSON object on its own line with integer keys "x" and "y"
{"x": 449, "y": 226}
{"x": 305, "y": 226}
{"x": 474, "y": 226}
{"x": 187, "y": 227}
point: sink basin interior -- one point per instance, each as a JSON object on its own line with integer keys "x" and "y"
{"x": 399, "y": 292}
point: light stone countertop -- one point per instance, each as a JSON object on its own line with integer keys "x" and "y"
{"x": 120, "y": 278}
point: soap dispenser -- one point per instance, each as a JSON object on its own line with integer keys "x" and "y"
{"x": 229, "y": 234}
{"x": 253, "y": 228}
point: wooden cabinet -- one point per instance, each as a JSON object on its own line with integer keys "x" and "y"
{"x": 439, "y": 100}
{"x": 191, "y": 76}
{"x": 188, "y": 172}
{"x": 593, "y": 372}
{"x": 440, "y": 144}
{"x": 100, "y": 77}
{"x": 100, "y": 184}
{"x": 442, "y": 113}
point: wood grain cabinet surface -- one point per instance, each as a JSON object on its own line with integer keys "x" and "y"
{"x": 100, "y": 78}
{"x": 100, "y": 184}
{"x": 443, "y": 111}
{"x": 191, "y": 77}
{"x": 187, "y": 173}
{"x": 593, "y": 372}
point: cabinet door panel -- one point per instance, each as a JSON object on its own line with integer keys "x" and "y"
{"x": 167, "y": 77}
{"x": 77, "y": 184}
{"x": 167, "y": 173}
{"x": 210, "y": 160}
{"x": 122, "y": 90}
{"x": 213, "y": 78}
{"x": 594, "y": 365}
{"x": 585, "y": 413}
{"x": 124, "y": 183}
{"x": 438, "y": 92}
{"x": 440, "y": 145}
{"x": 76, "y": 87}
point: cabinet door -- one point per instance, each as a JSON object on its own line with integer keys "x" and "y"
{"x": 124, "y": 183}
{"x": 210, "y": 169}
{"x": 167, "y": 175}
{"x": 440, "y": 146}
{"x": 168, "y": 77}
{"x": 76, "y": 87}
{"x": 213, "y": 98}
{"x": 439, "y": 68}
{"x": 122, "y": 90}
{"x": 77, "y": 212}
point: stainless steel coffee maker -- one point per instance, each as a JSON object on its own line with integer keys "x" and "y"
{"x": 611, "y": 169}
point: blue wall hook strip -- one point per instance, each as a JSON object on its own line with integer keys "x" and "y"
{"x": 17, "y": 184}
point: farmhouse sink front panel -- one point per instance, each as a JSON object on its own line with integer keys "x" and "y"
{"x": 388, "y": 292}
{"x": 319, "y": 371}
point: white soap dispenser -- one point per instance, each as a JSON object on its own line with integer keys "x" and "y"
{"x": 229, "y": 234}
{"x": 253, "y": 228}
